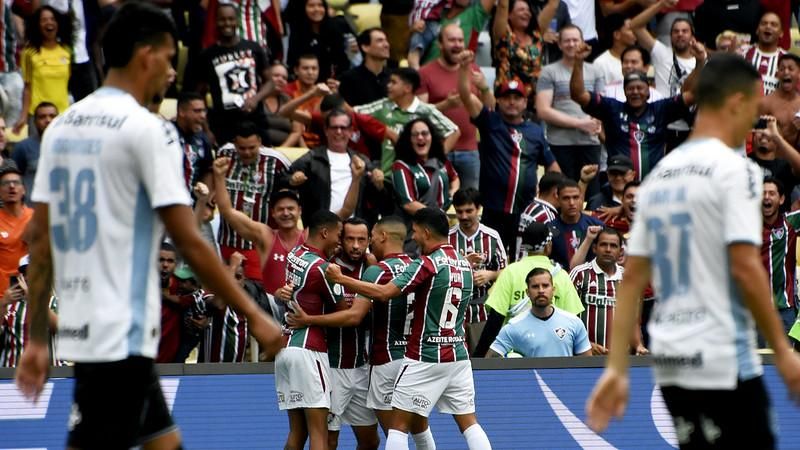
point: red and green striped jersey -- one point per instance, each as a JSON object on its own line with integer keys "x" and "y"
{"x": 598, "y": 293}
{"x": 412, "y": 183}
{"x": 487, "y": 242}
{"x": 14, "y": 333}
{"x": 537, "y": 211}
{"x": 779, "y": 255}
{"x": 347, "y": 346}
{"x": 442, "y": 286}
{"x": 250, "y": 187}
{"x": 305, "y": 269}
{"x": 228, "y": 336}
{"x": 391, "y": 321}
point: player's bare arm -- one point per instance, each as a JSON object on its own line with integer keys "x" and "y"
{"x": 212, "y": 273}
{"x": 35, "y": 361}
{"x": 610, "y": 395}
{"x": 348, "y": 317}
{"x": 380, "y": 292}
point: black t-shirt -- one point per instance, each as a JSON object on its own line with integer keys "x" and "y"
{"x": 359, "y": 86}
{"x": 740, "y": 16}
{"x": 780, "y": 169}
{"x": 233, "y": 75}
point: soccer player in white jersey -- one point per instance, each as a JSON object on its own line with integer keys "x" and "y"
{"x": 109, "y": 183}
{"x": 698, "y": 225}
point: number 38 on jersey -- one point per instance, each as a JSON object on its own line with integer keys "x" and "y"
{"x": 73, "y": 221}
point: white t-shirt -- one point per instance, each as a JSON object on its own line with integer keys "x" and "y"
{"x": 669, "y": 78}
{"x": 700, "y": 199}
{"x": 106, "y": 165}
{"x": 340, "y": 178}
{"x": 610, "y": 66}
{"x": 581, "y": 13}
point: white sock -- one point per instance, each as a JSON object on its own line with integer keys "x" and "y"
{"x": 424, "y": 440}
{"x": 476, "y": 438}
{"x": 396, "y": 440}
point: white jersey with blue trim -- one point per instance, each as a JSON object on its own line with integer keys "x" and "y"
{"x": 700, "y": 199}
{"x": 106, "y": 165}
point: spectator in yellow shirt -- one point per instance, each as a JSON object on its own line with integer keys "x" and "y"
{"x": 45, "y": 62}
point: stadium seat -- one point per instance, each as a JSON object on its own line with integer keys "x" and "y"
{"x": 169, "y": 108}
{"x": 365, "y": 15}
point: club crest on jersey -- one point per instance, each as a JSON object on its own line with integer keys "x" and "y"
{"x": 560, "y": 332}
{"x": 638, "y": 135}
{"x": 778, "y": 233}
{"x": 516, "y": 136}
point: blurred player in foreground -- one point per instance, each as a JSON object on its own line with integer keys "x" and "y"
{"x": 698, "y": 224}
{"x": 112, "y": 173}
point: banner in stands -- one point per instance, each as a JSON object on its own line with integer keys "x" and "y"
{"x": 519, "y": 409}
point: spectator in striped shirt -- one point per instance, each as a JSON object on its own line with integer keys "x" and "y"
{"x": 779, "y": 251}
{"x": 14, "y": 328}
{"x": 425, "y": 26}
{"x": 541, "y": 209}
{"x": 765, "y": 54}
{"x": 422, "y": 175}
{"x": 596, "y": 282}
{"x": 484, "y": 249}
{"x": 252, "y": 177}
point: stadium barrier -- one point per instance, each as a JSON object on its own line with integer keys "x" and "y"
{"x": 521, "y": 403}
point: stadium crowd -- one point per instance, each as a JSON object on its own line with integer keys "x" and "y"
{"x": 531, "y": 122}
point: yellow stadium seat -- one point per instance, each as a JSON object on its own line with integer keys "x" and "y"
{"x": 13, "y": 138}
{"x": 169, "y": 108}
{"x": 366, "y": 15}
{"x": 292, "y": 153}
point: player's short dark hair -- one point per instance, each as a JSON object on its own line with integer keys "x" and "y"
{"x": 433, "y": 219}
{"x": 637, "y": 48}
{"x": 168, "y": 247}
{"x": 550, "y": 181}
{"x": 613, "y": 232}
{"x": 356, "y": 221}
{"x": 322, "y": 219}
{"x": 44, "y": 105}
{"x": 336, "y": 112}
{"x": 365, "y": 37}
{"x": 409, "y": 76}
{"x": 395, "y": 222}
{"x": 133, "y": 25}
{"x": 538, "y": 271}
{"x": 682, "y": 19}
{"x": 466, "y": 196}
{"x": 306, "y": 56}
{"x": 778, "y": 184}
{"x": 331, "y": 101}
{"x": 567, "y": 183}
{"x": 630, "y": 184}
{"x": 723, "y": 75}
{"x": 247, "y": 129}
{"x": 187, "y": 97}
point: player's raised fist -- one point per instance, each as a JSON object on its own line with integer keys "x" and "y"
{"x": 333, "y": 273}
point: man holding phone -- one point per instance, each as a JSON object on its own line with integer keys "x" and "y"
{"x": 14, "y": 218}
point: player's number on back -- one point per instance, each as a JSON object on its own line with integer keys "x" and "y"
{"x": 665, "y": 259}
{"x": 75, "y": 226}
{"x": 450, "y": 308}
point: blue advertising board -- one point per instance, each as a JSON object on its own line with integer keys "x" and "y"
{"x": 518, "y": 408}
